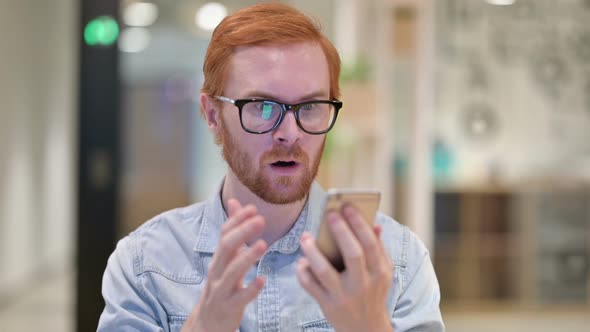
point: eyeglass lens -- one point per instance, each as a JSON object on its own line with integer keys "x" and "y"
{"x": 263, "y": 115}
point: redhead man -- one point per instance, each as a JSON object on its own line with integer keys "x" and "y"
{"x": 246, "y": 259}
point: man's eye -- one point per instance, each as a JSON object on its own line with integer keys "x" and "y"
{"x": 308, "y": 107}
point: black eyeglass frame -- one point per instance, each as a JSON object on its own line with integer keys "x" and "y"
{"x": 239, "y": 103}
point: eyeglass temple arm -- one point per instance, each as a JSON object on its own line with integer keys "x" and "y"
{"x": 222, "y": 98}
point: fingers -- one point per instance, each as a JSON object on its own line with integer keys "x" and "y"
{"x": 222, "y": 303}
{"x": 377, "y": 230}
{"x": 233, "y": 205}
{"x": 237, "y": 269}
{"x": 307, "y": 280}
{"x": 366, "y": 237}
{"x": 237, "y": 214}
{"x": 249, "y": 293}
{"x": 244, "y": 226}
{"x": 350, "y": 248}
{"x": 234, "y": 240}
{"x": 319, "y": 265}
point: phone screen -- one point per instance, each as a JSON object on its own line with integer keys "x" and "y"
{"x": 364, "y": 200}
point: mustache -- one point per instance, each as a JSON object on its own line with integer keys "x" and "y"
{"x": 280, "y": 152}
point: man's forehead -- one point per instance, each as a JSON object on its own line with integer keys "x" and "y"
{"x": 292, "y": 71}
{"x": 269, "y": 54}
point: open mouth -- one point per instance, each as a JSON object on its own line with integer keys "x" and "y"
{"x": 281, "y": 163}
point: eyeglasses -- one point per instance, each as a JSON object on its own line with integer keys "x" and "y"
{"x": 260, "y": 116}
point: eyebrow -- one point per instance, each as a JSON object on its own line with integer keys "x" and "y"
{"x": 266, "y": 95}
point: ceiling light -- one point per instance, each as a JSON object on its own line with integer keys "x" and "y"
{"x": 501, "y": 2}
{"x": 140, "y": 14}
{"x": 209, "y": 15}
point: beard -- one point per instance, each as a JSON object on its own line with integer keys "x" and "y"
{"x": 271, "y": 189}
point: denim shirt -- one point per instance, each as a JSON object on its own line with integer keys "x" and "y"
{"x": 154, "y": 277}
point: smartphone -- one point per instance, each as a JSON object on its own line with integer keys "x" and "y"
{"x": 366, "y": 201}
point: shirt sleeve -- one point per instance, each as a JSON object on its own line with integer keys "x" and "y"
{"x": 128, "y": 307}
{"x": 417, "y": 309}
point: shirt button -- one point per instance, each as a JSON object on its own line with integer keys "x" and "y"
{"x": 265, "y": 270}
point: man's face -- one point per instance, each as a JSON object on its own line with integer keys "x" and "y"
{"x": 280, "y": 166}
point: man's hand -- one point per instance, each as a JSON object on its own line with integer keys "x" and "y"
{"x": 222, "y": 303}
{"x": 354, "y": 300}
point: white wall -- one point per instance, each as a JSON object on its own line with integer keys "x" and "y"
{"x": 532, "y": 73}
{"x": 38, "y": 75}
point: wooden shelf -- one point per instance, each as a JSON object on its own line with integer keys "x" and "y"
{"x": 491, "y": 246}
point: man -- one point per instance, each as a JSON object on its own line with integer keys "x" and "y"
{"x": 246, "y": 259}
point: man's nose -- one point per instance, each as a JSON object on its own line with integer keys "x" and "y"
{"x": 288, "y": 131}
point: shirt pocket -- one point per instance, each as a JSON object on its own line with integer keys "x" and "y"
{"x": 175, "y": 323}
{"x": 320, "y": 325}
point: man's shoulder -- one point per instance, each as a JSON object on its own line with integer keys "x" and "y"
{"x": 165, "y": 243}
{"x": 403, "y": 246}
{"x": 166, "y": 222}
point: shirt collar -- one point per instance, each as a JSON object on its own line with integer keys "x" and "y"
{"x": 214, "y": 216}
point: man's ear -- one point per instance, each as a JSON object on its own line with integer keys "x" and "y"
{"x": 211, "y": 116}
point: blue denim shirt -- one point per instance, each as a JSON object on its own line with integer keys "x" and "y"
{"x": 154, "y": 277}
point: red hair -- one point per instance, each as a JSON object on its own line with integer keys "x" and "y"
{"x": 263, "y": 24}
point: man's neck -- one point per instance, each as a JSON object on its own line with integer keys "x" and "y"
{"x": 279, "y": 218}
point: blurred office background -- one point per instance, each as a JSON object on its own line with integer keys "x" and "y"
{"x": 471, "y": 116}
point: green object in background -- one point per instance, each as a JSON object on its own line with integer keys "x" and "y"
{"x": 400, "y": 165}
{"x": 101, "y": 31}
{"x": 358, "y": 70}
{"x": 442, "y": 161}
